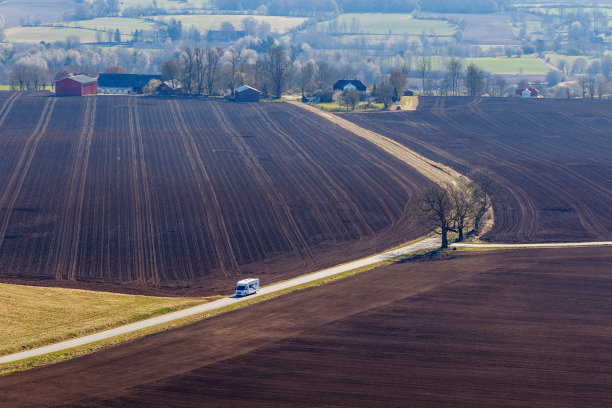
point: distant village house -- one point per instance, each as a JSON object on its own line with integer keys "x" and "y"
{"x": 349, "y": 84}
{"x": 124, "y": 84}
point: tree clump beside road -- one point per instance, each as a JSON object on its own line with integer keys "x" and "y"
{"x": 458, "y": 207}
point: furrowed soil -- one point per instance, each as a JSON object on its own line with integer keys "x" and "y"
{"x": 553, "y": 157}
{"x": 186, "y": 196}
{"x": 493, "y": 329}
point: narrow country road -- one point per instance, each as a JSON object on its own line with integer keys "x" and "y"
{"x": 429, "y": 243}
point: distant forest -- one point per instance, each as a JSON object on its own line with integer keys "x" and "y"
{"x": 318, "y": 7}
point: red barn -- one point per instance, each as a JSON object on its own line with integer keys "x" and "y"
{"x": 78, "y": 85}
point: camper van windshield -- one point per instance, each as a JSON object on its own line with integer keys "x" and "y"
{"x": 240, "y": 288}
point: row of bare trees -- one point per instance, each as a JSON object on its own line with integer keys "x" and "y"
{"x": 199, "y": 69}
{"x": 459, "y": 207}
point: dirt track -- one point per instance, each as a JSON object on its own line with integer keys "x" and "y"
{"x": 553, "y": 157}
{"x": 504, "y": 329}
{"x": 185, "y": 196}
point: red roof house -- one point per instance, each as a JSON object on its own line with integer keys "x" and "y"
{"x": 78, "y": 85}
{"x": 527, "y": 92}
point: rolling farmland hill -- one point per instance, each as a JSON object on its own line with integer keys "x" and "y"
{"x": 553, "y": 156}
{"x": 188, "y": 194}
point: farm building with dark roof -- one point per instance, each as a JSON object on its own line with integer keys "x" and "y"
{"x": 348, "y": 84}
{"x": 77, "y": 85}
{"x": 245, "y": 93}
{"x": 124, "y": 83}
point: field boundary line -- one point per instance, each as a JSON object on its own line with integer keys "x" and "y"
{"x": 535, "y": 245}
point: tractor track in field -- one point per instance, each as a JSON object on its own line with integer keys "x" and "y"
{"x": 291, "y": 229}
{"x": 13, "y": 189}
{"x": 215, "y": 218}
{"x": 66, "y": 263}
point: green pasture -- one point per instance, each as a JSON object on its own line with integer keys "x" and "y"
{"x": 204, "y": 22}
{"x": 504, "y": 65}
{"x": 8, "y": 88}
{"x": 499, "y": 65}
{"x": 378, "y": 23}
{"x": 34, "y": 35}
{"x": 362, "y": 107}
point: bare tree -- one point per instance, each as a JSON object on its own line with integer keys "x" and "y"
{"x": 278, "y": 66}
{"x": 171, "y": 70}
{"x": 485, "y": 189}
{"x": 591, "y": 85}
{"x": 189, "y": 69}
{"x": 235, "y": 59}
{"x": 352, "y": 98}
{"x": 199, "y": 68}
{"x": 462, "y": 201}
{"x": 583, "y": 84}
{"x": 498, "y": 86}
{"x": 454, "y": 68}
{"x": 474, "y": 79}
{"x": 436, "y": 210}
{"x": 397, "y": 80}
{"x": 211, "y": 64}
{"x": 326, "y": 74}
{"x": 307, "y": 76}
{"x": 424, "y": 67}
{"x": 247, "y": 65}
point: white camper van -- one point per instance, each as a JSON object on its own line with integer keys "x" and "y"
{"x": 247, "y": 287}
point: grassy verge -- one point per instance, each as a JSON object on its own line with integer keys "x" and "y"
{"x": 410, "y": 102}
{"x": 9, "y": 88}
{"x": 362, "y": 107}
{"x": 37, "y": 316}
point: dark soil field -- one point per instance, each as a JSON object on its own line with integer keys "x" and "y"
{"x": 187, "y": 195}
{"x": 554, "y": 158}
{"x": 528, "y": 328}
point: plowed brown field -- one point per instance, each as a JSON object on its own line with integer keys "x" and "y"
{"x": 529, "y": 328}
{"x": 187, "y": 195}
{"x": 553, "y": 156}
